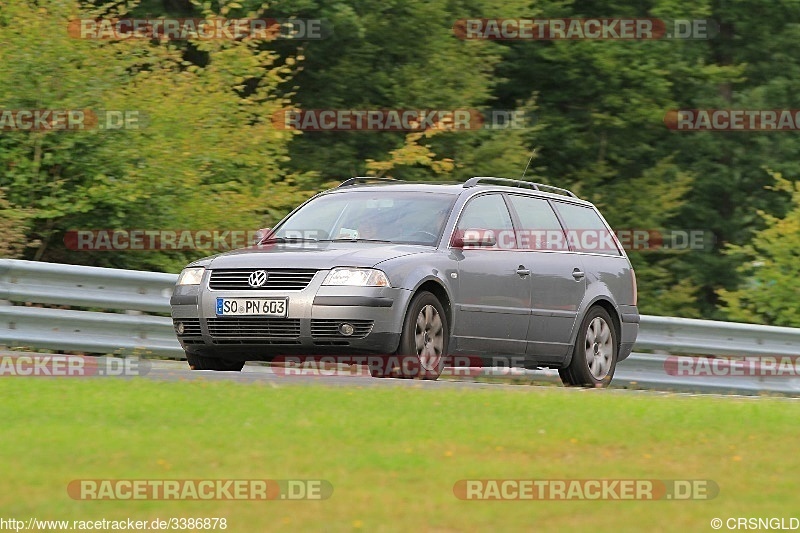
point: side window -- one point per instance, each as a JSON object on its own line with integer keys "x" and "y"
{"x": 586, "y": 231}
{"x": 488, "y": 212}
{"x": 540, "y": 228}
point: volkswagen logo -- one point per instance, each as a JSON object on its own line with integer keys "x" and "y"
{"x": 258, "y": 278}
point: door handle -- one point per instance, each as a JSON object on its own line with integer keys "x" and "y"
{"x": 578, "y": 274}
{"x": 522, "y": 271}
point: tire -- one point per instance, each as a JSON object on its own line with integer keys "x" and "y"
{"x": 594, "y": 358}
{"x": 201, "y": 362}
{"x": 424, "y": 340}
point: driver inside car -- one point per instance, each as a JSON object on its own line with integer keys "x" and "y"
{"x": 367, "y": 227}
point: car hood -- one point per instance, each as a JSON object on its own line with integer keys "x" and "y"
{"x": 323, "y": 255}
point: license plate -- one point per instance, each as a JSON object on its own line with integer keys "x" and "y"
{"x": 252, "y": 307}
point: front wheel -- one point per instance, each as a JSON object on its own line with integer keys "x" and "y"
{"x": 595, "y": 357}
{"x": 423, "y": 343}
{"x": 201, "y": 362}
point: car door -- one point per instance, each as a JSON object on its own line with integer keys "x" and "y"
{"x": 493, "y": 295}
{"x": 558, "y": 283}
{"x": 600, "y": 252}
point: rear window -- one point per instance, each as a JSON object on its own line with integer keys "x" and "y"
{"x": 586, "y": 231}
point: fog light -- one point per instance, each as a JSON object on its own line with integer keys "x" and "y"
{"x": 179, "y": 328}
{"x": 346, "y": 329}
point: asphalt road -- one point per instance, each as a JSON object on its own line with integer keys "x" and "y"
{"x": 341, "y": 376}
{"x": 626, "y": 381}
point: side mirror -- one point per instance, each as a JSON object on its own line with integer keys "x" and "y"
{"x": 474, "y": 238}
{"x": 260, "y": 234}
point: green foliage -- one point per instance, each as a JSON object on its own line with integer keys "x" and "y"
{"x": 394, "y": 54}
{"x": 770, "y": 294}
{"x": 204, "y": 156}
{"x": 12, "y": 228}
{"x": 412, "y": 153}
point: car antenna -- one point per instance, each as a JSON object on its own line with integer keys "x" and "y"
{"x": 529, "y": 163}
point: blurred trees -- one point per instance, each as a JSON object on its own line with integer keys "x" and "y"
{"x": 13, "y": 223}
{"x": 207, "y": 155}
{"x": 769, "y": 264}
{"x": 204, "y": 154}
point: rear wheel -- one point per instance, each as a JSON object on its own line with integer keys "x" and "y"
{"x": 595, "y": 357}
{"x": 202, "y": 362}
{"x": 423, "y": 343}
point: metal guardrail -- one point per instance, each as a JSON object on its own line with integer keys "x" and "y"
{"x": 643, "y": 370}
{"x": 88, "y": 331}
{"x": 94, "y": 289}
{"x": 712, "y": 337}
{"x": 127, "y": 291}
{"x": 85, "y": 286}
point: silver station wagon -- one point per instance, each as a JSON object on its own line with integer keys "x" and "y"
{"x": 504, "y": 272}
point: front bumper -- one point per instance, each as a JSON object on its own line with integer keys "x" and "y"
{"x": 310, "y": 328}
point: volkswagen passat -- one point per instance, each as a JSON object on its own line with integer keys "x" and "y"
{"x": 511, "y": 272}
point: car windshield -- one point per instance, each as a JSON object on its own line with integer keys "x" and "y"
{"x": 374, "y": 215}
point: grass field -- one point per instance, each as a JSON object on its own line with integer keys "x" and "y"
{"x": 393, "y": 454}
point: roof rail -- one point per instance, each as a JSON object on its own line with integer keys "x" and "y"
{"x": 472, "y": 182}
{"x": 363, "y": 179}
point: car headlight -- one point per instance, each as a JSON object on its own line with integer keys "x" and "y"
{"x": 359, "y": 277}
{"x": 191, "y": 276}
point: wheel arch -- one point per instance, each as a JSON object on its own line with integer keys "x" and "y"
{"x": 610, "y": 308}
{"x": 434, "y": 286}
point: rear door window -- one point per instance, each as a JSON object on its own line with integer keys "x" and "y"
{"x": 539, "y": 227}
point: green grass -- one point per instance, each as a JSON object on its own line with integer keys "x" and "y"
{"x": 392, "y": 454}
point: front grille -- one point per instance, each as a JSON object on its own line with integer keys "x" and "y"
{"x": 191, "y": 327}
{"x": 260, "y": 342}
{"x": 279, "y": 279}
{"x": 330, "y": 328}
{"x": 254, "y": 330}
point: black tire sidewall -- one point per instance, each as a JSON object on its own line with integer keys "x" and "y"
{"x": 407, "y": 338}
{"x": 578, "y": 369}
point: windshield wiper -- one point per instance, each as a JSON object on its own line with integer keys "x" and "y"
{"x": 282, "y": 240}
{"x": 347, "y": 239}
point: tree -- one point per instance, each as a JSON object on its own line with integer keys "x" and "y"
{"x": 203, "y": 157}
{"x": 12, "y": 228}
{"x": 769, "y": 268}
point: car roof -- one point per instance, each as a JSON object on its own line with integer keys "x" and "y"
{"x": 481, "y": 184}
{"x": 409, "y": 186}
